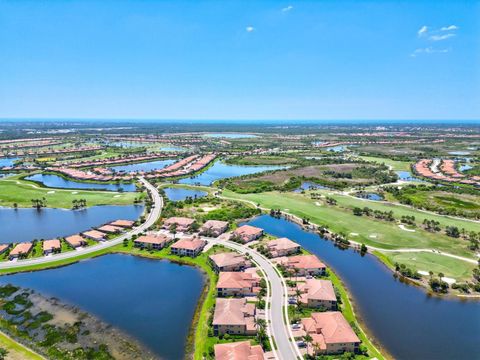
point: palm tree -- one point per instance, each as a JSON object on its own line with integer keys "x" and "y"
{"x": 173, "y": 230}
{"x": 308, "y": 340}
{"x": 298, "y": 294}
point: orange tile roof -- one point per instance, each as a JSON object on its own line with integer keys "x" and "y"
{"x": 152, "y": 239}
{"x": 189, "y": 244}
{"x": 316, "y": 289}
{"x": 236, "y": 280}
{"x": 51, "y": 244}
{"x": 282, "y": 244}
{"x": 75, "y": 240}
{"x": 228, "y": 259}
{"x": 247, "y": 230}
{"x": 304, "y": 262}
{"x": 123, "y": 223}
{"x": 110, "y": 228}
{"x": 22, "y": 248}
{"x": 330, "y": 327}
{"x": 233, "y": 312}
{"x": 241, "y": 350}
{"x": 94, "y": 234}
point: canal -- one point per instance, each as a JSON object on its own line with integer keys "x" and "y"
{"x": 408, "y": 322}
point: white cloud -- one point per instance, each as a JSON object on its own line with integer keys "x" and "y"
{"x": 428, "y": 50}
{"x": 441, "y": 37}
{"x": 250, "y": 28}
{"x": 287, "y": 9}
{"x": 423, "y": 30}
{"x": 449, "y": 28}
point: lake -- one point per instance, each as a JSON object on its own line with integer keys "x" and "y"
{"x": 145, "y": 166}
{"x": 7, "y": 161}
{"x": 407, "y": 322}
{"x": 220, "y": 170}
{"x": 231, "y": 135}
{"x": 179, "y": 194}
{"x": 151, "y": 300}
{"x": 55, "y": 181}
{"x": 28, "y": 224}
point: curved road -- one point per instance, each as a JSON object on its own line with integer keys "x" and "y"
{"x": 151, "y": 219}
{"x": 277, "y": 311}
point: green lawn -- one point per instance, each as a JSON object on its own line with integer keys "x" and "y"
{"x": 399, "y": 211}
{"x": 396, "y": 165}
{"x": 16, "y": 350}
{"x": 377, "y": 233}
{"x": 14, "y": 190}
{"x": 457, "y": 269}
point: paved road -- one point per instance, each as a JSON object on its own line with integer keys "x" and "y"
{"x": 281, "y": 332}
{"x": 151, "y": 219}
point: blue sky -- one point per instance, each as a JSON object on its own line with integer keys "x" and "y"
{"x": 240, "y": 59}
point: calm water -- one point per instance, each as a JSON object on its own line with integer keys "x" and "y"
{"x": 28, "y": 224}
{"x": 7, "y": 161}
{"x": 145, "y": 166}
{"x": 151, "y": 300}
{"x": 221, "y": 170}
{"x": 407, "y": 322}
{"x": 465, "y": 167}
{"x": 459, "y": 152}
{"x": 4, "y": 175}
{"x": 406, "y": 176}
{"x": 372, "y": 196}
{"x": 55, "y": 181}
{"x": 172, "y": 148}
{"x": 178, "y": 194}
{"x": 231, "y": 135}
{"x": 307, "y": 185}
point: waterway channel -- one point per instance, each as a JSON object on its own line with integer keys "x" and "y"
{"x": 408, "y": 322}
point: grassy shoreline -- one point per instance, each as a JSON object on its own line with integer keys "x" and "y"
{"x": 15, "y": 190}
{"x": 384, "y": 235}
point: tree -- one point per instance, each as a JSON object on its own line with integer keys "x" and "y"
{"x": 308, "y": 340}
{"x": 357, "y": 211}
{"x": 3, "y": 353}
{"x": 363, "y": 249}
{"x": 173, "y": 230}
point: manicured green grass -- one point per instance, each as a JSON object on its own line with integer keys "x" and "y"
{"x": 16, "y": 350}
{"x": 14, "y": 190}
{"x": 396, "y": 165}
{"x": 349, "y": 313}
{"x": 377, "y": 233}
{"x": 456, "y": 269}
{"x": 399, "y": 211}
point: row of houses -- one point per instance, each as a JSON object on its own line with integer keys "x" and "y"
{"x": 443, "y": 170}
{"x": 238, "y": 282}
{"x": 54, "y": 245}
